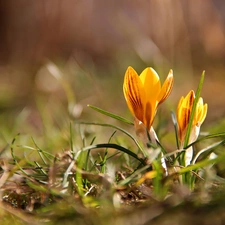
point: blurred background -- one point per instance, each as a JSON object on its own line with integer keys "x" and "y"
{"x": 57, "y": 56}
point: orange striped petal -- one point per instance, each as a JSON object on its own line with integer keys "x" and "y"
{"x": 149, "y": 115}
{"x": 166, "y": 88}
{"x": 179, "y": 105}
{"x": 184, "y": 109}
{"x": 134, "y": 94}
{"x": 187, "y": 104}
{"x": 184, "y": 112}
{"x": 179, "y": 112}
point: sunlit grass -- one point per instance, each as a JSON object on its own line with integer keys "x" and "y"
{"x": 93, "y": 169}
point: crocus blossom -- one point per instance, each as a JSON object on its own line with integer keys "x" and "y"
{"x": 184, "y": 109}
{"x": 144, "y": 93}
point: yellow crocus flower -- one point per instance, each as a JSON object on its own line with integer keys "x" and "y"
{"x": 144, "y": 93}
{"x": 184, "y": 112}
{"x": 183, "y": 117}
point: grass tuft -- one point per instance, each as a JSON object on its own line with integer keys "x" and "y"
{"x": 105, "y": 175}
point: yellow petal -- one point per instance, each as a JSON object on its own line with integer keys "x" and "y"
{"x": 187, "y": 104}
{"x": 179, "y": 104}
{"x": 149, "y": 115}
{"x": 179, "y": 111}
{"x": 202, "y": 115}
{"x": 198, "y": 112}
{"x": 151, "y": 83}
{"x": 134, "y": 93}
{"x": 166, "y": 88}
{"x": 183, "y": 113}
{"x": 184, "y": 109}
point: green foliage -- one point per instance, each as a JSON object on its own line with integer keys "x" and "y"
{"x": 104, "y": 173}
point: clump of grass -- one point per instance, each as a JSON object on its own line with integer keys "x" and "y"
{"x": 120, "y": 181}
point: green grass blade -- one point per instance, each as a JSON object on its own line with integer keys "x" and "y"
{"x": 39, "y": 152}
{"x": 134, "y": 176}
{"x": 66, "y": 174}
{"x": 208, "y": 148}
{"x": 186, "y": 140}
{"x": 158, "y": 188}
{"x": 103, "y": 167}
{"x": 201, "y": 164}
{"x": 174, "y": 119}
{"x": 47, "y": 155}
{"x": 222, "y": 134}
{"x": 71, "y": 140}
{"x": 41, "y": 169}
{"x": 4, "y": 149}
{"x": 114, "y": 116}
{"x": 120, "y": 129}
{"x": 12, "y": 148}
{"x": 114, "y": 146}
